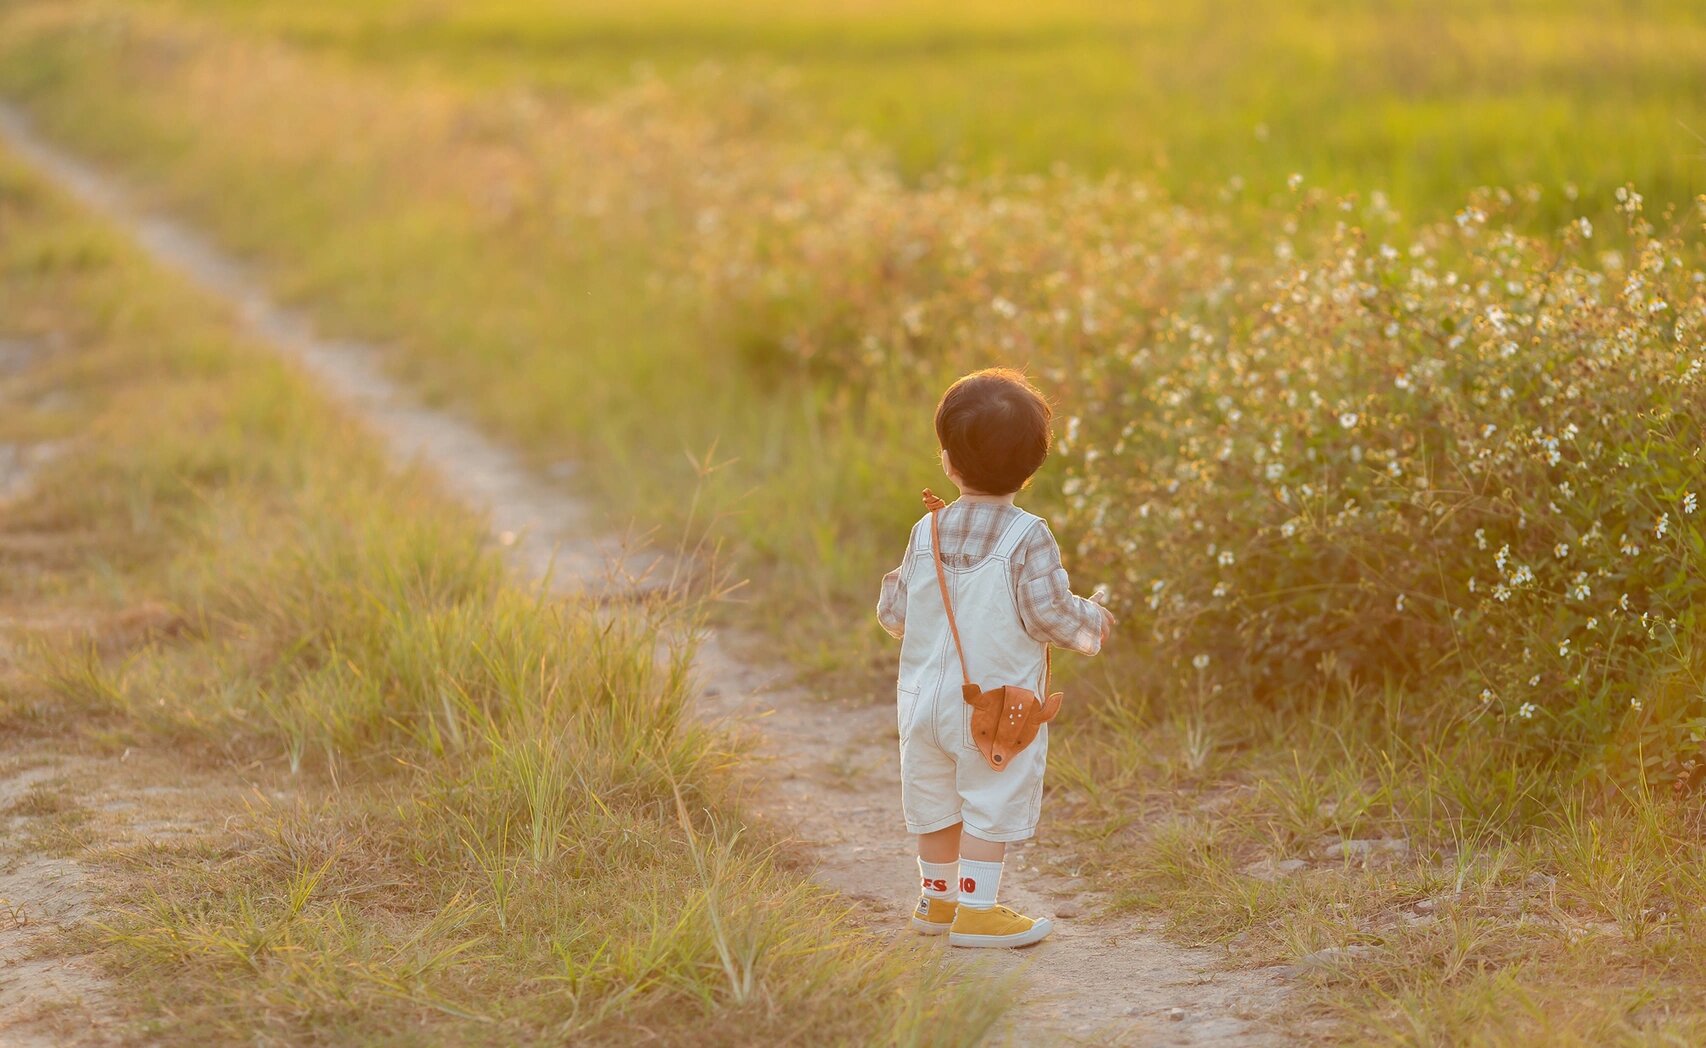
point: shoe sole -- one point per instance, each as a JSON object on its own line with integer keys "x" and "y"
{"x": 1034, "y": 934}
{"x": 921, "y": 925}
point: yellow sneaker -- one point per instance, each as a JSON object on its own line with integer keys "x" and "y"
{"x": 997, "y": 927}
{"x": 933, "y": 916}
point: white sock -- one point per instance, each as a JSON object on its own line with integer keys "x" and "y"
{"x": 979, "y": 882}
{"x": 938, "y": 879}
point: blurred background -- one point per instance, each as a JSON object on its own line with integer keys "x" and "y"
{"x": 1420, "y": 100}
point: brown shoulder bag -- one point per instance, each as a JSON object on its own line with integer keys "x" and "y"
{"x": 1004, "y": 720}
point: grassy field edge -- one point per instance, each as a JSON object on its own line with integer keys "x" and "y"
{"x": 502, "y": 824}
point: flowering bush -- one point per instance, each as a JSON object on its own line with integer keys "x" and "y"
{"x": 1471, "y": 461}
{"x": 1462, "y": 457}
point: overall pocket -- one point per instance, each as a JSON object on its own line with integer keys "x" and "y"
{"x": 906, "y": 709}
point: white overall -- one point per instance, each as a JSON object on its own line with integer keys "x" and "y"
{"x": 944, "y": 779}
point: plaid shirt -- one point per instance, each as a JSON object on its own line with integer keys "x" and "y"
{"x": 1048, "y": 610}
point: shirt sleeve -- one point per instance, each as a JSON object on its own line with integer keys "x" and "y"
{"x": 1048, "y": 609}
{"x": 891, "y": 602}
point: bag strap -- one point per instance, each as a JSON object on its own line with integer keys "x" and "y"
{"x": 935, "y": 505}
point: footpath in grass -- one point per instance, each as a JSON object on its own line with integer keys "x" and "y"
{"x": 825, "y": 768}
{"x": 1437, "y": 868}
{"x": 215, "y": 571}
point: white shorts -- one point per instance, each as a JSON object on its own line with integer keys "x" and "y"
{"x": 944, "y": 778}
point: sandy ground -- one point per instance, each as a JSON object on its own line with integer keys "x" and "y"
{"x": 827, "y": 771}
{"x": 57, "y": 810}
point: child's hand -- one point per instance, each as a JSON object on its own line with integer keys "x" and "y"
{"x": 1099, "y": 597}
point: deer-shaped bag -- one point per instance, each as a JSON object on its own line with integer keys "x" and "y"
{"x": 1004, "y": 719}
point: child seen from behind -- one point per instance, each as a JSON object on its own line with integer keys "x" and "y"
{"x": 975, "y": 625}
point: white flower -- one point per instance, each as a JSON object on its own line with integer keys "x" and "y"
{"x": 1004, "y": 308}
{"x": 1348, "y": 420}
{"x": 1593, "y": 623}
{"x": 1522, "y": 576}
{"x": 1399, "y": 604}
{"x": 1293, "y": 181}
{"x": 1502, "y": 555}
{"x": 1561, "y": 550}
{"x": 1564, "y": 648}
{"x": 1289, "y": 528}
{"x": 1200, "y": 662}
{"x": 1221, "y": 589}
{"x": 1226, "y": 559}
{"x": 1501, "y": 593}
{"x": 1526, "y": 711}
{"x": 1662, "y": 526}
{"x": 1487, "y": 695}
{"x": 1689, "y": 503}
{"x": 1635, "y": 704}
{"x": 1586, "y": 227}
{"x": 1628, "y": 546}
{"x": 1623, "y": 602}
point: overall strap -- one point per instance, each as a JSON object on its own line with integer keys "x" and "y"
{"x": 935, "y": 505}
{"x": 1014, "y": 534}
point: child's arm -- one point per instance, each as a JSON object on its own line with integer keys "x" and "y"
{"x": 891, "y": 602}
{"x": 1048, "y": 609}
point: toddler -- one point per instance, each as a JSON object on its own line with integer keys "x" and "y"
{"x": 1010, "y": 599}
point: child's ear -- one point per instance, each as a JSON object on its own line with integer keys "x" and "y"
{"x": 948, "y": 466}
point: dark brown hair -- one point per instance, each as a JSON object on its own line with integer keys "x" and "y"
{"x": 995, "y": 427}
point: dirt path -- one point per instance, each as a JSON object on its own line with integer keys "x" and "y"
{"x": 57, "y": 810}
{"x": 830, "y": 772}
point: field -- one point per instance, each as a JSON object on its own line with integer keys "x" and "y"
{"x": 397, "y": 712}
{"x": 1378, "y": 336}
{"x": 1422, "y": 101}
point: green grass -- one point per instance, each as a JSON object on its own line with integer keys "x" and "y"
{"x": 501, "y": 825}
{"x": 541, "y": 325}
{"x": 1420, "y": 100}
{"x": 1520, "y": 909}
